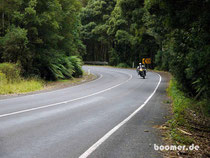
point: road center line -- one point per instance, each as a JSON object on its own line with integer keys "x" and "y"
{"x": 107, "y": 135}
{"x": 68, "y": 101}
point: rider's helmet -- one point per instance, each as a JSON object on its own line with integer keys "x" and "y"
{"x": 140, "y": 64}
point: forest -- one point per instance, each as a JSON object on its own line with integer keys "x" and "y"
{"x": 50, "y": 38}
{"x": 41, "y": 36}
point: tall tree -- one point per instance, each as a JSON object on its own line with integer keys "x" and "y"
{"x": 182, "y": 31}
{"x": 41, "y": 35}
{"x": 94, "y": 28}
{"x": 132, "y": 41}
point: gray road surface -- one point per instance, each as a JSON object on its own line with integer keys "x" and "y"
{"x": 66, "y": 122}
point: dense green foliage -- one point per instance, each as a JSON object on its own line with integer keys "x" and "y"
{"x": 94, "y": 28}
{"x": 182, "y": 30}
{"x": 77, "y": 66}
{"x": 113, "y": 31}
{"x": 175, "y": 34}
{"x": 41, "y": 35}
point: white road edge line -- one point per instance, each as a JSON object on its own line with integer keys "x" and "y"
{"x": 107, "y": 135}
{"x": 67, "y": 101}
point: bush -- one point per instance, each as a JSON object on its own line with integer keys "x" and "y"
{"x": 3, "y": 79}
{"x": 62, "y": 69}
{"x": 77, "y": 64}
{"x": 11, "y": 71}
{"x": 53, "y": 65}
{"x": 11, "y": 81}
{"x": 114, "y": 57}
{"x": 162, "y": 60}
{"x": 123, "y": 65}
{"x": 14, "y": 45}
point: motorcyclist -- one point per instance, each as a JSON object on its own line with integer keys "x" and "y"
{"x": 141, "y": 66}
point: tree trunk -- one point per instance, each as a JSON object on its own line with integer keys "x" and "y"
{"x": 2, "y": 23}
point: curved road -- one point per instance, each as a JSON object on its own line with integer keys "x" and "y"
{"x": 66, "y": 123}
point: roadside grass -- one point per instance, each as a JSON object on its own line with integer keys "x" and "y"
{"x": 179, "y": 138}
{"x": 180, "y": 106}
{"x": 23, "y": 86}
{"x": 31, "y": 85}
{"x": 188, "y": 115}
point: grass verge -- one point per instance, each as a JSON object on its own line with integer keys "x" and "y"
{"x": 190, "y": 122}
{"x": 32, "y": 85}
{"x": 22, "y": 86}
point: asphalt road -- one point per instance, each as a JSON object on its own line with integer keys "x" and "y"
{"x": 66, "y": 123}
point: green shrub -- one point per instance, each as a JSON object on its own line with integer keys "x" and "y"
{"x": 3, "y": 79}
{"x": 114, "y": 57}
{"x": 162, "y": 60}
{"x": 123, "y": 65}
{"x": 77, "y": 64}
{"x": 54, "y": 66}
{"x": 14, "y": 44}
{"x": 62, "y": 69}
{"x": 11, "y": 71}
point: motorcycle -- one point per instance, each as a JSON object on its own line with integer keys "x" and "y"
{"x": 142, "y": 73}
